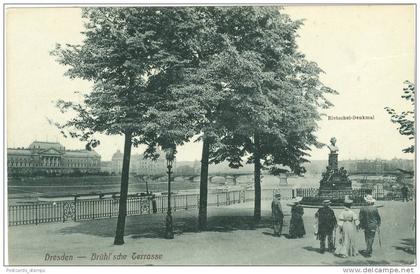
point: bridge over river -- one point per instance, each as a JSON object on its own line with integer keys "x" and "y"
{"x": 214, "y": 177}
{"x": 30, "y": 189}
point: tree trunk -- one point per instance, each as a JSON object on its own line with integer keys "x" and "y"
{"x": 202, "y": 212}
{"x": 257, "y": 180}
{"x": 119, "y": 234}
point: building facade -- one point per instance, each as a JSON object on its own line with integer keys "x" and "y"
{"x": 51, "y": 158}
{"x": 382, "y": 166}
{"x": 106, "y": 166}
{"x": 139, "y": 165}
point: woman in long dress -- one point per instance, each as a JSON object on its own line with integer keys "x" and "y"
{"x": 296, "y": 228}
{"x": 346, "y": 231}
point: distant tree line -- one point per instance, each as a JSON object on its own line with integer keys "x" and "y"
{"x": 318, "y": 166}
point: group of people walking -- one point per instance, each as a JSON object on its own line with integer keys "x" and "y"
{"x": 339, "y": 233}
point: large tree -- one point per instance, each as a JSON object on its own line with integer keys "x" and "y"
{"x": 131, "y": 55}
{"x": 273, "y": 93}
{"x": 193, "y": 99}
{"x": 243, "y": 54}
{"x": 405, "y": 119}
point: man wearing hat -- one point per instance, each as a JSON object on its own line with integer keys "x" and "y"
{"x": 326, "y": 224}
{"x": 277, "y": 215}
{"x": 370, "y": 220}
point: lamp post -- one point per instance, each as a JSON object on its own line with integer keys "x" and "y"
{"x": 169, "y": 234}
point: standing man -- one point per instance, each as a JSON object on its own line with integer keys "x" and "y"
{"x": 369, "y": 221}
{"x": 404, "y": 192}
{"x": 277, "y": 215}
{"x": 326, "y": 224}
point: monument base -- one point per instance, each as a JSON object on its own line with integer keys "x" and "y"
{"x": 335, "y": 184}
{"x": 334, "y": 194}
{"x": 337, "y": 196}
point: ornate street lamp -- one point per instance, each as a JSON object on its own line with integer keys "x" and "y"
{"x": 170, "y": 156}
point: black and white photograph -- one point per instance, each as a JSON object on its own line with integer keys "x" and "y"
{"x": 210, "y": 135}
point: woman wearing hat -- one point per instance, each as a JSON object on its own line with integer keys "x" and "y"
{"x": 296, "y": 228}
{"x": 346, "y": 231}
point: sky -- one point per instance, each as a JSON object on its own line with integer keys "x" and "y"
{"x": 366, "y": 52}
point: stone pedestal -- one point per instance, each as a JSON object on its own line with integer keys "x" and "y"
{"x": 333, "y": 161}
{"x": 334, "y": 194}
{"x": 335, "y": 183}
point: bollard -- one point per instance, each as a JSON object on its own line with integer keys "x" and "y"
{"x": 36, "y": 214}
{"x": 186, "y": 202}
{"x": 75, "y": 209}
{"x": 110, "y": 208}
{"x": 64, "y": 213}
{"x": 154, "y": 205}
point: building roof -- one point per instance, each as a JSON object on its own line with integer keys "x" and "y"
{"x": 117, "y": 155}
{"x": 71, "y": 153}
{"x": 46, "y": 145}
{"x": 81, "y": 153}
{"x": 18, "y": 151}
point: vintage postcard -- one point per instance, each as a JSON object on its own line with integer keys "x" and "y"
{"x": 273, "y": 135}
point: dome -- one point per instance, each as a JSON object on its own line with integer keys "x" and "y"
{"x": 117, "y": 155}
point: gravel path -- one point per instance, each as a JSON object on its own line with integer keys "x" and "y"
{"x": 231, "y": 239}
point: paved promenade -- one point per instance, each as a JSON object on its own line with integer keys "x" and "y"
{"x": 232, "y": 239}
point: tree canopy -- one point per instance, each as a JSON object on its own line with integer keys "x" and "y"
{"x": 232, "y": 75}
{"x": 132, "y": 55}
{"x": 261, "y": 84}
{"x": 254, "y": 85}
{"x": 405, "y": 119}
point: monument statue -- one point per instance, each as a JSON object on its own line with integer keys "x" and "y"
{"x": 334, "y": 181}
{"x": 333, "y": 157}
{"x": 333, "y": 148}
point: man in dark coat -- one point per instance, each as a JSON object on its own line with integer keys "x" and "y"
{"x": 277, "y": 215}
{"x": 404, "y": 191}
{"x": 326, "y": 224}
{"x": 370, "y": 220}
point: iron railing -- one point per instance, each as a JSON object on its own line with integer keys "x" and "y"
{"x": 378, "y": 194}
{"x": 90, "y": 209}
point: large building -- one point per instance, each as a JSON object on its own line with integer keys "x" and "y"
{"x": 382, "y": 166}
{"x": 51, "y": 158}
{"x": 106, "y": 166}
{"x": 140, "y": 165}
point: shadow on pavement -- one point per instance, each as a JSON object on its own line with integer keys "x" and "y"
{"x": 405, "y": 262}
{"x": 153, "y": 226}
{"x": 408, "y": 246}
{"x": 361, "y": 262}
{"x": 283, "y": 235}
{"x": 312, "y": 249}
